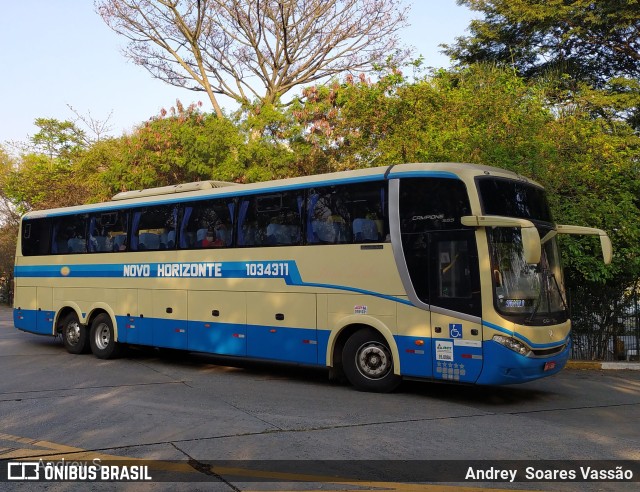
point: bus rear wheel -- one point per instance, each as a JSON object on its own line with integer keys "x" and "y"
{"x": 74, "y": 335}
{"x": 103, "y": 338}
{"x": 368, "y": 363}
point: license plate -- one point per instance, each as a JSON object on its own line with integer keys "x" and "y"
{"x": 549, "y": 365}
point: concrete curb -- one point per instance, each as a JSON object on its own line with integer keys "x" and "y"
{"x": 599, "y": 366}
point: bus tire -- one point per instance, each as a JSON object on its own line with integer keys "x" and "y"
{"x": 103, "y": 338}
{"x": 368, "y": 362}
{"x": 74, "y": 335}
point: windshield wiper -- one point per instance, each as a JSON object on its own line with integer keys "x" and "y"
{"x": 545, "y": 276}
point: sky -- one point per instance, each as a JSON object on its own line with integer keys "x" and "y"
{"x": 60, "y": 53}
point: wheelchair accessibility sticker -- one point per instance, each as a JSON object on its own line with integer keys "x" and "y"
{"x": 455, "y": 330}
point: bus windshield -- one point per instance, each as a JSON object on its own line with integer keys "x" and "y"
{"x": 524, "y": 293}
{"x": 527, "y": 294}
{"x": 513, "y": 198}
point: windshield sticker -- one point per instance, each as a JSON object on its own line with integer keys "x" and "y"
{"x": 514, "y": 303}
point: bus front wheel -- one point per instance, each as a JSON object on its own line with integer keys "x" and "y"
{"x": 368, "y": 363}
{"x": 102, "y": 338}
{"x": 74, "y": 335}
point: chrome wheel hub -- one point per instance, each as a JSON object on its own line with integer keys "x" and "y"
{"x": 373, "y": 360}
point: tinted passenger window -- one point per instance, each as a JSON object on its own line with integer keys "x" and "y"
{"x": 270, "y": 220}
{"x": 432, "y": 204}
{"x": 430, "y": 210}
{"x": 154, "y": 228}
{"x": 513, "y": 198}
{"x": 347, "y": 214}
{"x": 36, "y": 237}
{"x": 108, "y": 232}
{"x": 207, "y": 224}
{"x": 453, "y": 267}
{"x": 69, "y": 234}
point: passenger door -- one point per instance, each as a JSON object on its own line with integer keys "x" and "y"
{"x": 455, "y": 305}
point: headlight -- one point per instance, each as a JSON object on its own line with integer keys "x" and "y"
{"x": 512, "y": 344}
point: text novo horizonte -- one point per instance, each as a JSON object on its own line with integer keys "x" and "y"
{"x": 173, "y": 270}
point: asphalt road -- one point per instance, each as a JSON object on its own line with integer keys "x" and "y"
{"x": 205, "y": 418}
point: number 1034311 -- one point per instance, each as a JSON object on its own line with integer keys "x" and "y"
{"x": 274, "y": 269}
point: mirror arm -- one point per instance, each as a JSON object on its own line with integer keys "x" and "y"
{"x": 605, "y": 241}
{"x": 531, "y": 245}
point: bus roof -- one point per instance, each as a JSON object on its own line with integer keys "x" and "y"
{"x": 206, "y": 189}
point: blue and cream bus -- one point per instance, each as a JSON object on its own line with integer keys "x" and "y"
{"x": 447, "y": 272}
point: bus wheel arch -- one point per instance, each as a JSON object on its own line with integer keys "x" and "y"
{"x": 366, "y": 358}
{"x": 75, "y": 335}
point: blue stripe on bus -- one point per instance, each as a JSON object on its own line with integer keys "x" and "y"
{"x": 230, "y": 269}
{"x": 301, "y": 345}
{"x": 525, "y": 339}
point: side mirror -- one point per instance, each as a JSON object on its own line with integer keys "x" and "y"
{"x": 531, "y": 246}
{"x": 605, "y": 241}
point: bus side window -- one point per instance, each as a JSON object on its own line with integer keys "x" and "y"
{"x": 108, "y": 232}
{"x": 328, "y": 217}
{"x": 153, "y": 228}
{"x": 70, "y": 234}
{"x": 207, "y": 224}
{"x": 36, "y": 236}
{"x": 352, "y": 213}
{"x": 270, "y": 220}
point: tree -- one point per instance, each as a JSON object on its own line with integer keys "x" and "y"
{"x": 99, "y": 129}
{"x": 8, "y": 214}
{"x": 45, "y": 175}
{"x": 595, "y": 42}
{"x": 57, "y": 139}
{"x": 590, "y": 40}
{"x": 182, "y": 145}
{"x": 490, "y": 115}
{"x": 41, "y": 183}
{"x": 253, "y": 49}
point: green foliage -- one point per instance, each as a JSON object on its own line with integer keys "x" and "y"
{"x": 485, "y": 114}
{"x": 44, "y": 183}
{"x": 46, "y": 177}
{"x": 179, "y": 146}
{"x": 57, "y": 139}
{"x": 591, "y": 41}
{"x": 481, "y": 114}
{"x": 578, "y": 148}
{"x": 8, "y": 225}
{"x": 567, "y": 42}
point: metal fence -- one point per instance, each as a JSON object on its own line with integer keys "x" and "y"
{"x": 616, "y": 339}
